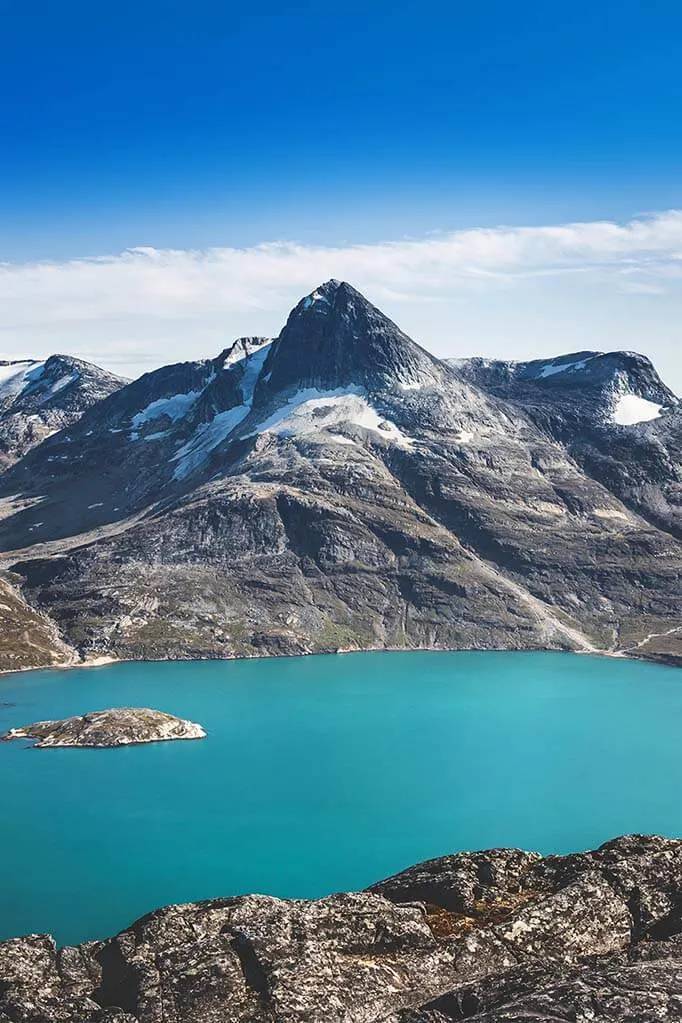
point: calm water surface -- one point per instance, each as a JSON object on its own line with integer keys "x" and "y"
{"x": 323, "y": 773}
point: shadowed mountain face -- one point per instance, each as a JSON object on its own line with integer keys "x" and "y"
{"x": 339, "y": 487}
{"x": 335, "y": 337}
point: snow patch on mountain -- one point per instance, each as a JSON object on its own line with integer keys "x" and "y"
{"x": 15, "y": 375}
{"x": 320, "y": 296}
{"x": 209, "y": 435}
{"x": 243, "y": 348}
{"x": 315, "y": 298}
{"x": 315, "y": 414}
{"x": 58, "y": 385}
{"x": 252, "y": 371}
{"x": 552, "y": 369}
{"x": 630, "y": 409}
{"x": 175, "y": 407}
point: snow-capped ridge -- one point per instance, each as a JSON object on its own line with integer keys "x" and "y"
{"x": 15, "y": 375}
{"x": 39, "y": 398}
{"x": 210, "y": 434}
{"x": 599, "y": 378}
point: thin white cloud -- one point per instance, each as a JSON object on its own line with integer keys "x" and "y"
{"x": 135, "y": 308}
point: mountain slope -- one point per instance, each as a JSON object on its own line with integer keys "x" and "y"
{"x": 28, "y": 639}
{"x": 335, "y": 488}
{"x": 611, "y": 412}
{"x": 39, "y": 398}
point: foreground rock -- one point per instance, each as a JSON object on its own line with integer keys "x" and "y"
{"x": 489, "y": 936}
{"x": 121, "y": 726}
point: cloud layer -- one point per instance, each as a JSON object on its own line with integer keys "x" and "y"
{"x": 146, "y": 306}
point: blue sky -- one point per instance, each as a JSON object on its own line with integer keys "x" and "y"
{"x": 167, "y": 124}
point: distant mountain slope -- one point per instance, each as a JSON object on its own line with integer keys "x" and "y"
{"x": 339, "y": 487}
{"x": 39, "y": 398}
{"x": 611, "y": 412}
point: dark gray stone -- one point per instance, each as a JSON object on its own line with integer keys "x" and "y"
{"x": 530, "y": 939}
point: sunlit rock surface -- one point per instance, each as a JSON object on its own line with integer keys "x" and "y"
{"x": 499, "y": 935}
{"x": 120, "y": 726}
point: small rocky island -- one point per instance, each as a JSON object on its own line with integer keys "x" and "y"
{"x": 118, "y": 726}
{"x": 490, "y": 937}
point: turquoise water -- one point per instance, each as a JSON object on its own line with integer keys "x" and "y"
{"x": 323, "y": 773}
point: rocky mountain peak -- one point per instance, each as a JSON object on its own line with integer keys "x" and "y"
{"x": 239, "y": 350}
{"x": 38, "y": 398}
{"x": 609, "y": 371}
{"x": 57, "y": 381}
{"x": 335, "y": 337}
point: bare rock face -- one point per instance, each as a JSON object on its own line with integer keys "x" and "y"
{"x": 493, "y": 936}
{"x": 28, "y": 638}
{"x": 121, "y": 726}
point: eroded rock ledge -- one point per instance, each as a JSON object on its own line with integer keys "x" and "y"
{"x": 119, "y": 726}
{"x": 501, "y": 935}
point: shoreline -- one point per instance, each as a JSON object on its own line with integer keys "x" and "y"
{"x": 106, "y": 660}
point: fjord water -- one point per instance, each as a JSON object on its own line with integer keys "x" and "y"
{"x": 323, "y": 773}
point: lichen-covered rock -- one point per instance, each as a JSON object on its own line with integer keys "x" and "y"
{"x": 120, "y": 726}
{"x": 461, "y": 882}
{"x": 504, "y": 936}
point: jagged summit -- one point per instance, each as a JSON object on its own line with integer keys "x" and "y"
{"x": 335, "y": 337}
{"x": 240, "y": 349}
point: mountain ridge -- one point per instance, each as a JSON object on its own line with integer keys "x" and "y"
{"x": 339, "y": 487}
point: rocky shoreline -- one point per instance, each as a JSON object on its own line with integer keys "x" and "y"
{"x": 118, "y": 726}
{"x": 670, "y": 658}
{"x": 499, "y": 935}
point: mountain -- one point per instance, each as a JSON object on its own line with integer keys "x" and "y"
{"x": 339, "y": 487}
{"x": 611, "y": 412}
{"x": 39, "y": 398}
{"x": 494, "y": 936}
{"x": 336, "y": 338}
